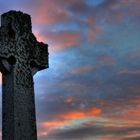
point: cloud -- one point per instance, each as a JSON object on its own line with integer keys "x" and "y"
{"x": 83, "y": 69}
{"x": 42, "y": 133}
{"x": 95, "y": 131}
{"x": 131, "y": 3}
{"x": 133, "y": 54}
{"x": 131, "y": 113}
{"x": 66, "y": 101}
{"x": 129, "y": 72}
{"x": 68, "y": 12}
{"x": 80, "y": 114}
{"x": 54, "y": 123}
{"x": 90, "y": 21}
{"x": 40, "y": 37}
{"x": 92, "y": 35}
{"x": 64, "y": 118}
{"x": 106, "y": 59}
{"x": 47, "y": 11}
{"x": 60, "y": 40}
{"x": 61, "y": 120}
{"x": 69, "y": 100}
{"x": 65, "y": 39}
{"x": 53, "y": 12}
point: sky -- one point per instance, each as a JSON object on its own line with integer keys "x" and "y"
{"x": 91, "y": 89}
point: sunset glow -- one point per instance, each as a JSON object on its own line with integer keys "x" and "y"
{"x": 91, "y": 90}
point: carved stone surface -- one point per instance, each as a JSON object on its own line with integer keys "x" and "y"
{"x": 21, "y": 56}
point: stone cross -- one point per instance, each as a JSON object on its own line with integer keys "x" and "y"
{"x": 21, "y": 56}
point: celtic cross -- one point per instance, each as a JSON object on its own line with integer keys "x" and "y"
{"x": 21, "y": 56}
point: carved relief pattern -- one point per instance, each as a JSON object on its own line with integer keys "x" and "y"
{"x": 6, "y": 44}
{"x": 17, "y": 40}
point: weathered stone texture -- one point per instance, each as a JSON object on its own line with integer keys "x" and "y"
{"x": 21, "y": 56}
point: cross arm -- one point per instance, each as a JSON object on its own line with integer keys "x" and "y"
{"x": 39, "y": 58}
{"x": 42, "y": 57}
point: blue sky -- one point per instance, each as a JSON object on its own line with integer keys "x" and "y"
{"x": 91, "y": 89}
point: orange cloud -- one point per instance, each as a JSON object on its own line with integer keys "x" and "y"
{"x": 63, "y": 119}
{"x": 54, "y": 123}
{"x": 132, "y": 114}
{"x": 42, "y": 133}
{"x": 135, "y": 111}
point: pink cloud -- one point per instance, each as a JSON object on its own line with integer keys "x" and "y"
{"x": 48, "y": 12}
{"x": 54, "y": 11}
{"x": 39, "y": 36}
{"x": 82, "y": 69}
{"x": 69, "y": 100}
{"x": 60, "y": 40}
{"x": 42, "y": 133}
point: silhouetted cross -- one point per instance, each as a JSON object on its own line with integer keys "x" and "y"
{"x": 21, "y": 56}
